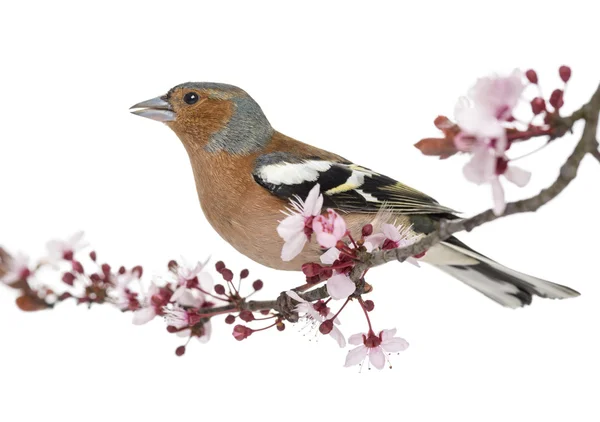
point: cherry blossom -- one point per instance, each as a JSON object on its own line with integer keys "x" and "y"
{"x": 156, "y": 299}
{"x": 190, "y": 276}
{"x": 486, "y": 167}
{"x": 65, "y": 249}
{"x": 374, "y": 347}
{"x": 329, "y": 229}
{"x": 296, "y": 228}
{"x": 392, "y": 237}
{"x": 317, "y": 315}
{"x": 17, "y": 269}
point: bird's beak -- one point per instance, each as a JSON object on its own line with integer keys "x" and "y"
{"x": 157, "y": 109}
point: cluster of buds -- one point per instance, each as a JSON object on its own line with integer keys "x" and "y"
{"x": 486, "y": 127}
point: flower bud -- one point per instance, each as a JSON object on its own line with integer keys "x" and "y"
{"x": 564, "y": 73}
{"x": 369, "y": 305}
{"x": 280, "y": 326}
{"x": 246, "y": 315}
{"x": 219, "y": 289}
{"x": 93, "y": 256}
{"x": 538, "y": 105}
{"x": 531, "y": 76}
{"x": 227, "y": 274}
{"x": 241, "y": 332}
{"x": 244, "y": 273}
{"x": 220, "y": 266}
{"x": 77, "y": 267}
{"x": 326, "y": 326}
{"x": 367, "y": 230}
{"x": 556, "y": 99}
{"x": 68, "y": 278}
{"x": 229, "y": 319}
{"x": 180, "y": 351}
{"x": 257, "y": 285}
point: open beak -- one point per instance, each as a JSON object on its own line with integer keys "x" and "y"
{"x": 157, "y": 109}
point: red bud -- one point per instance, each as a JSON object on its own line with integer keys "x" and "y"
{"x": 257, "y": 285}
{"x": 538, "y": 105}
{"x": 280, "y": 326}
{"x": 68, "y": 278}
{"x": 244, "y": 273}
{"x": 532, "y": 76}
{"x": 93, "y": 256}
{"x": 326, "y": 326}
{"x": 229, "y": 319}
{"x": 369, "y": 305}
{"x": 556, "y": 99}
{"x": 219, "y": 289}
{"x": 227, "y": 274}
{"x": 367, "y": 230}
{"x": 241, "y": 332}
{"x": 180, "y": 351}
{"x": 564, "y": 73}
{"x": 246, "y": 315}
{"x": 77, "y": 267}
{"x": 220, "y": 266}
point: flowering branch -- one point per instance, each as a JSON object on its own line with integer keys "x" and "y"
{"x": 587, "y": 144}
{"x": 188, "y": 300}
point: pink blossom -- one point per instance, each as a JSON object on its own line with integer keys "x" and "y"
{"x": 375, "y": 347}
{"x": 121, "y": 294}
{"x": 155, "y": 300}
{"x": 17, "y": 269}
{"x": 392, "y": 237}
{"x": 191, "y": 277}
{"x": 296, "y": 228}
{"x": 486, "y": 167}
{"x": 481, "y": 116}
{"x": 329, "y": 229}
{"x": 498, "y": 96}
{"x": 65, "y": 249}
{"x": 340, "y": 286}
{"x": 316, "y": 317}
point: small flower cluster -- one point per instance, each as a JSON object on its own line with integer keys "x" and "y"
{"x": 486, "y": 128}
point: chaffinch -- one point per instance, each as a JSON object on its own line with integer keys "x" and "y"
{"x": 246, "y": 172}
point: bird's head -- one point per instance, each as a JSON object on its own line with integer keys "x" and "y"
{"x": 211, "y": 117}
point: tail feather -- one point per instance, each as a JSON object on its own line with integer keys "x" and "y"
{"x": 506, "y": 286}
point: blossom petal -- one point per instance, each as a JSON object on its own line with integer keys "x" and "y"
{"x": 295, "y": 296}
{"x": 391, "y": 232}
{"x": 356, "y": 356}
{"x": 293, "y": 247}
{"x": 388, "y": 334}
{"x": 207, "y": 333}
{"x": 337, "y": 335}
{"x": 326, "y": 240}
{"x": 290, "y": 226}
{"x": 340, "y": 286}
{"x": 396, "y": 344}
{"x": 498, "y": 195}
{"x": 329, "y": 257}
{"x": 377, "y": 357}
{"x": 517, "y": 175}
{"x": 206, "y": 281}
{"x": 356, "y": 339}
{"x": 144, "y": 315}
{"x": 314, "y": 202}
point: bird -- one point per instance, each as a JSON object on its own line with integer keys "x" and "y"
{"x": 246, "y": 173}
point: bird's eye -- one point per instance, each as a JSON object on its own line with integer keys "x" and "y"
{"x": 191, "y": 98}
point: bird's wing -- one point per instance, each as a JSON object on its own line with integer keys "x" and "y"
{"x": 345, "y": 186}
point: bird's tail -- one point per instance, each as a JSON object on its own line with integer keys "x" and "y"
{"x": 508, "y": 287}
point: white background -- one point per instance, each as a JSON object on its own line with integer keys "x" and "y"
{"x": 363, "y": 80}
